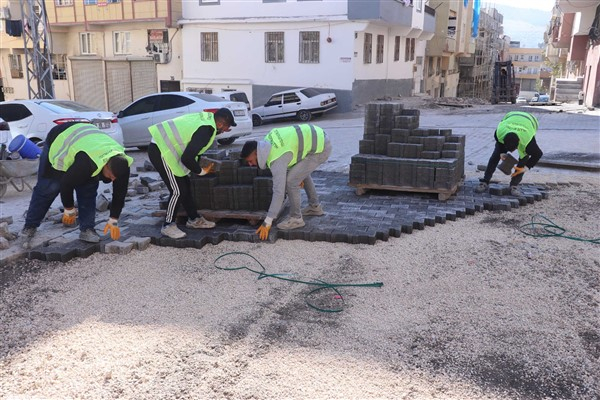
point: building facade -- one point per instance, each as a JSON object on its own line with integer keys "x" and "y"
{"x": 531, "y": 72}
{"x": 359, "y": 50}
{"x": 104, "y": 53}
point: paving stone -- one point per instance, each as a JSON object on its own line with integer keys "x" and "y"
{"x": 117, "y": 247}
{"x": 139, "y": 243}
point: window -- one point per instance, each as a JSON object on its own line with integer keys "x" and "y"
{"x": 170, "y": 101}
{"x": 121, "y": 42}
{"x": 309, "y": 48}
{"x": 87, "y": 43}
{"x": 14, "y": 112}
{"x": 59, "y": 66}
{"x": 409, "y": 51}
{"x": 93, "y": 2}
{"x": 290, "y": 98}
{"x": 274, "y": 47}
{"x": 16, "y": 68}
{"x": 379, "y": 57}
{"x": 90, "y": 2}
{"x": 397, "y": 48}
{"x": 63, "y": 2}
{"x": 368, "y": 48}
{"x": 209, "y": 46}
{"x": 274, "y": 100}
{"x": 142, "y": 106}
{"x": 530, "y": 58}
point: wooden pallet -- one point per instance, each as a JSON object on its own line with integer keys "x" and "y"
{"x": 253, "y": 217}
{"x": 443, "y": 194}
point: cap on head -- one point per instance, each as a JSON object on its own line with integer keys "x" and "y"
{"x": 226, "y": 115}
{"x": 249, "y": 147}
{"x": 511, "y": 141}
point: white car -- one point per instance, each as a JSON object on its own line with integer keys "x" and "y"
{"x": 34, "y": 118}
{"x": 146, "y": 111}
{"x": 522, "y": 100}
{"x": 301, "y": 103}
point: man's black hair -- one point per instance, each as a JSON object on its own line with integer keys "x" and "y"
{"x": 226, "y": 115}
{"x": 119, "y": 167}
{"x": 511, "y": 141}
{"x": 248, "y": 148}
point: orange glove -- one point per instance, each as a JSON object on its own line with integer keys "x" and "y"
{"x": 302, "y": 185}
{"x": 111, "y": 225}
{"x": 209, "y": 169}
{"x": 263, "y": 231}
{"x": 69, "y": 216}
{"x": 519, "y": 171}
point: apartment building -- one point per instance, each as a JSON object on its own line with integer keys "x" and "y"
{"x": 105, "y": 53}
{"x": 452, "y": 40}
{"x": 531, "y": 72}
{"x": 573, "y": 47}
{"x": 359, "y": 50}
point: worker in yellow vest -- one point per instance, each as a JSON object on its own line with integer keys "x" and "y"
{"x": 174, "y": 151}
{"x": 291, "y": 153}
{"x": 75, "y": 157}
{"x": 516, "y": 131}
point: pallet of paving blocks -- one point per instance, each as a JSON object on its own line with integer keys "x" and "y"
{"x": 236, "y": 191}
{"x": 396, "y": 154}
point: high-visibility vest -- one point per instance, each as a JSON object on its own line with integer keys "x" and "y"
{"x": 523, "y": 124}
{"x": 173, "y": 136}
{"x": 86, "y": 138}
{"x": 300, "y": 140}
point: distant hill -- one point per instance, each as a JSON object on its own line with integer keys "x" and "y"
{"x": 524, "y": 25}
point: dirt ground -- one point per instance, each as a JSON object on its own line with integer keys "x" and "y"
{"x": 470, "y": 309}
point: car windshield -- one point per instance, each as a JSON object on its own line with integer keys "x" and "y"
{"x": 309, "y": 92}
{"x": 62, "y": 107}
{"x": 207, "y": 97}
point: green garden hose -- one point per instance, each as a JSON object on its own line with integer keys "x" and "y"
{"x": 540, "y": 226}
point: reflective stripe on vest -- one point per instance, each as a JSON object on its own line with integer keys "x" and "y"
{"x": 173, "y": 136}
{"x": 86, "y": 138}
{"x": 292, "y": 139}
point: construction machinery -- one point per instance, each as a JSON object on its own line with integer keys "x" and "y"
{"x": 504, "y": 87}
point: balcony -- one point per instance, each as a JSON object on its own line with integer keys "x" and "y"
{"x": 392, "y": 12}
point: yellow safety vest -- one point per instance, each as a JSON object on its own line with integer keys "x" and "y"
{"x": 300, "y": 140}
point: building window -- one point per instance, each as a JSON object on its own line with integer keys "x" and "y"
{"x": 409, "y": 51}
{"x": 379, "y": 57}
{"x": 368, "y": 48}
{"x": 59, "y": 66}
{"x": 397, "y": 48}
{"x": 121, "y": 42}
{"x": 16, "y": 68}
{"x": 63, "y": 2}
{"x": 87, "y": 43}
{"x": 274, "y": 47}
{"x": 209, "y": 46}
{"x": 309, "y": 47}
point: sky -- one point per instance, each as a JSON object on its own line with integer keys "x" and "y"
{"x": 545, "y": 5}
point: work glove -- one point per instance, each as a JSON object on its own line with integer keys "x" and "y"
{"x": 111, "y": 225}
{"x": 69, "y": 216}
{"x": 302, "y": 185}
{"x": 519, "y": 171}
{"x": 209, "y": 169}
{"x": 263, "y": 231}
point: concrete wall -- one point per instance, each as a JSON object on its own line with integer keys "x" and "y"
{"x": 364, "y": 91}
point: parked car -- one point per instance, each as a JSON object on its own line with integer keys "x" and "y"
{"x": 235, "y": 95}
{"x": 301, "y": 103}
{"x": 34, "y": 118}
{"x": 146, "y": 111}
{"x": 521, "y": 100}
{"x": 5, "y": 138}
{"x": 540, "y": 98}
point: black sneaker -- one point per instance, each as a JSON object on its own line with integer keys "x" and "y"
{"x": 89, "y": 235}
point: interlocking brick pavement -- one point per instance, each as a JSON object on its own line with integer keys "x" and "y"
{"x": 376, "y": 215}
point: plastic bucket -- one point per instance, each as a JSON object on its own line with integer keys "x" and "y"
{"x": 25, "y": 147}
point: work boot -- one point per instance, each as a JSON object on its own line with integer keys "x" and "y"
{"x": 199, "y": 223}
{"x": 291, "y": 223}
{"x": 173, "y": 231}
{"x": 481, "y": 188}
{"x": 313, "y": 210}
{"x": 28, "y": 232}
{"x": 89, "y": 235}
{"x": 515, "y": 191}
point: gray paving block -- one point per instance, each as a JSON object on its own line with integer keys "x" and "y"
{"x": 139, "y": 243}
{"x": 118, "y": 247}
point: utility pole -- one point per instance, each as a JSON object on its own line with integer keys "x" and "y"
{"x": 36, "y": 44}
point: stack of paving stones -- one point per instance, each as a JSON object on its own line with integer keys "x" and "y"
{"x": 349, "y": 218}
{"x": 235, "y": 187}
{"x": 397, "y": 154}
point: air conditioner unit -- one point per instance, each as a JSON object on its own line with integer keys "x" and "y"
{"x": 160, "y": 58}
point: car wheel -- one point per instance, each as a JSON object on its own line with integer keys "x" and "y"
{"x": 304, "y": 115}
{"x": 256, "y": 120}
{"x": 226, "y": 141}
